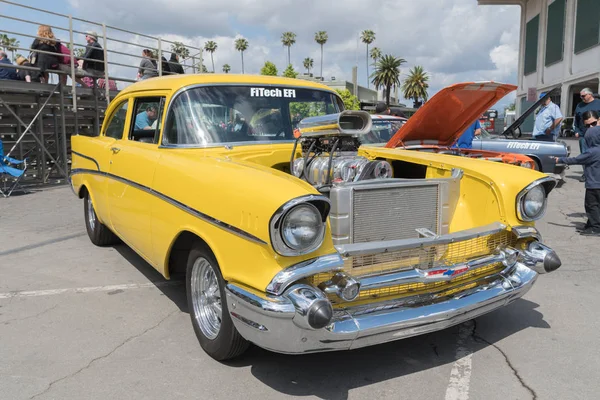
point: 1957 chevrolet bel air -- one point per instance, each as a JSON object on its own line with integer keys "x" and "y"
{"x": 310, "y": 244}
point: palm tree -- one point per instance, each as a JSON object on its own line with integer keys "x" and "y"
{"x": 415, "y": 86}
{"x": 308, "y": 64}
{"x": 367, "y": 36}
{"x": 241, "y": 45}
{"x": 387, "y": 74}
{"x": 13, "y": 45}
{"x": 321, "y": 38}
{"x": 211, "y": 47}
{"x": 288, "y": 39}
{"x": 4, "y": 40}
{"x": 226, "y": 68}
{"x": 180, "y": 49}
{"x": 375, "y": 54}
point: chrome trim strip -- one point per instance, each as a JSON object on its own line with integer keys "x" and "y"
{"x": 170, "y": 200}
{"x": 284, "y": 278}
{"x": 200, "y": 85}
{"x": 523, "y": 192}
{"x": 349, "y": 250}
{"x": 275, "y": 229}
{"x": 87, "y": 158}
{"x": 427, "y": 276}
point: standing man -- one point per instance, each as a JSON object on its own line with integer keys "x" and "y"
{"x": 465, "y": 141}
{"x": 588, "y": 103}
{"x": 547, "y": 121}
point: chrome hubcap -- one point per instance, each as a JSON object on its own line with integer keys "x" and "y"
{"x": 91, "y": 214}
{"x": 206, "y": 298}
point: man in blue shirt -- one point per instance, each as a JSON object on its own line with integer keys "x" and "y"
{"x": 7, "y": 73}
{"x": 144, "y": 119}
{"x": 465, "y": 141}
{"x": 547, "y": 121}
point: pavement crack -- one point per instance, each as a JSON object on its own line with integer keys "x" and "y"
{"x": 479, "y": 339}
{"x": 88, "y": 365}
{"x": 31, "y": 316}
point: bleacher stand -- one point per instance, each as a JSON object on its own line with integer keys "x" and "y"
{"x": 37, "y": 119}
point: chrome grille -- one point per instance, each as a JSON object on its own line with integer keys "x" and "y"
{"x": 394, "y": 213}
{"x": 422, "y": 257}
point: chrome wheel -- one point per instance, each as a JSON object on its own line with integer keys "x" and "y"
{"x": 206, "y": 298}
{"x": 91, "y": 214}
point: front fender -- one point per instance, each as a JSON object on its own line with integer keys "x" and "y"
{"x": 228, "y": 203}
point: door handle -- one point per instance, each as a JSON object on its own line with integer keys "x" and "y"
{"x": 115, "y": 150}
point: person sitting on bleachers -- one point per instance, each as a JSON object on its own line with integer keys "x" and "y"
{"x": 27, "y": 75}
{"x": 7, "y": 73}
{"x": 147, "y": 67}
{"x": 93, "y": 51}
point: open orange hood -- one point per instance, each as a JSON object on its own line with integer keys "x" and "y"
{"x": 443, "y": 118}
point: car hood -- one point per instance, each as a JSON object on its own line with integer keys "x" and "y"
{"x": 443, "y": 118}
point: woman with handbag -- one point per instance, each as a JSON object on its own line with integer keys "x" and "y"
{"x": 46, "y": 42}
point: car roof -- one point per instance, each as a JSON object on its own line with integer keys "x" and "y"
{"x": 176, "y": 82}
{"x": 389, "y": 117}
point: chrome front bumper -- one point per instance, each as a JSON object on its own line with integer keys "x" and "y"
{"x": 271, "y": 322}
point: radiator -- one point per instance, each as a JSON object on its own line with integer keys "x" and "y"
{"x": 380, "y": 212}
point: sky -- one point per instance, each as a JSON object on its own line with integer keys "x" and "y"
{"x": 453, "y": 40}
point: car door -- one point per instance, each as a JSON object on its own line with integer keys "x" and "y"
{"x": 132, "y": 166}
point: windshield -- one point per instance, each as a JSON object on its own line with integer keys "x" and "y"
{"x": 227, "y": 114}
{"x": 381, "y": 132}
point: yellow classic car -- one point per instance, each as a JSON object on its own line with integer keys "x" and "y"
{"x": 310, "y": 243}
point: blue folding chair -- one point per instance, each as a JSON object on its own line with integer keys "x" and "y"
{"x": 9, "y": 175}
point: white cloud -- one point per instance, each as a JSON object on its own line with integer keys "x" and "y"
{"x": 453, "y": 40}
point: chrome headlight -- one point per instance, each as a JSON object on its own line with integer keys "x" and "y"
{"x": 532, "y": 201}
{"x": 299, "y": 226}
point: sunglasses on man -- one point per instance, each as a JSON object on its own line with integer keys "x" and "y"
{"x": 591, "y": 124}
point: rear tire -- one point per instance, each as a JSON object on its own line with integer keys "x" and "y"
{"x": 207, "y": 306}
{"x": 98, "y": 233}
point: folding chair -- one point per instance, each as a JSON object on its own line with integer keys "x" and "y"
{"x": 10, "y": 176}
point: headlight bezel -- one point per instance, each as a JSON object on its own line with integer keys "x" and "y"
{"x": 546, "y": 184}
{"x": 321, "y": 204}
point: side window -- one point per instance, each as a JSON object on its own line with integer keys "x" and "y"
{"x": 116, "y": 126}
{"x": 147, "y": 113}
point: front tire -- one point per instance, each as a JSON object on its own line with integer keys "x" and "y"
{"x": 98, "y": 233}
{"x": 207, "y": 305}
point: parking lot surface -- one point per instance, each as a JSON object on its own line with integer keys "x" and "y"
{"x": 83, "y": 322}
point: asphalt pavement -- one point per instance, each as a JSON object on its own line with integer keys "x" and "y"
{"x": 83, "y": 322}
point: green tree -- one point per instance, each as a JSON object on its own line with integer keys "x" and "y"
{"x": 321, "y": 38}
{"x": 269, "y": 69}
{"x": 78, "y": 52}
{"x": 211, "y": 47}
{"x": 241, "y": 45}
{"x": 387, "y": 74}
{"x": 415, "y": 85}
{"x": 13, "y": 45}
{"x": 288, "y": 39}
{"x": 511, "y": 107}
{"x": 375, "y": 54}
{"x": 226, "y": 68}
{"x": 308, "y": 64}
{"x": 180, "y": 49}
{"x": 202, "y": 68}
{"x": 351, "y": 102}
{"x": 289, "y": 72}
{"x": 367, "y": 36}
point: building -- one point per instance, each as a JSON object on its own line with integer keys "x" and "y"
{"x": 559, "y": 46}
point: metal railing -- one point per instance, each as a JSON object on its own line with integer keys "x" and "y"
{"x": 118, "y": 45}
